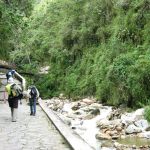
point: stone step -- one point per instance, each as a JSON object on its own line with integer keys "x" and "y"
{"x": 3, "y": 81}
{"x": 2, "y": 76}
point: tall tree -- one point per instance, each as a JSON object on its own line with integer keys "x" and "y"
{"x": 12, "y": 14}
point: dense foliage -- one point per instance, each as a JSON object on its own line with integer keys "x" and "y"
{"x": 94, "y": 48}
{"x": 12, "y": 15}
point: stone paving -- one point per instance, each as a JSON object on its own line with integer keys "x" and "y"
{"x": 29, "y": 132}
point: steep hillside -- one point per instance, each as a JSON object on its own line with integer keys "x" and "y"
{"x": 94, "y": 48}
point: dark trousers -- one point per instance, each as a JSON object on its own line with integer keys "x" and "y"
{"x": 13, "y": 104}
{"x": 32, "y": 102}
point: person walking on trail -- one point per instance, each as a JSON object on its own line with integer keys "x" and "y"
{"x": 14, "y": 94}
{"x": 10, "y": 74}
{"x": 33, "y": 97}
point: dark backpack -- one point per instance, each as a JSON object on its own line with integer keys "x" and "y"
{"x": 33, "y": 92}
{"x": 16, "y": 90}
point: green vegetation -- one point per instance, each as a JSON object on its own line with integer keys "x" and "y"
{"x": 12, "y": 14}
{"x": 147, "y": 113}
{"x": 94, "y": 48}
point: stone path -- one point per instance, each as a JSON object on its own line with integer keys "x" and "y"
{"x": 29, "y": 132}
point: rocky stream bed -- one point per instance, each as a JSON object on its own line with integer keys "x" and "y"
{"x": 104, "y": 127}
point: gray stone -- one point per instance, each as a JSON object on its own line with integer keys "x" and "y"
{"x": 132, "y": 129}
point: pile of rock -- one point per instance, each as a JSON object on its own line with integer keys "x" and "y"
{"x": 110, "y": 129}
{"x": 84, "y": 109}
{"x": 112, "y": 124}
{"x": 124, "y": 125}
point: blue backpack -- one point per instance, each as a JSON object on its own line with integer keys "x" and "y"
{"x": 33, "y": 92}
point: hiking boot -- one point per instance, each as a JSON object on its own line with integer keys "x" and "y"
{"x": 14, "y": 120}
{"x": 31, "y": 114}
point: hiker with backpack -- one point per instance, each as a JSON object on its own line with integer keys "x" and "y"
{"x": 14, "y": 94}
{"x": 10, "y": 74}
{"x": 33, "y": 94}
